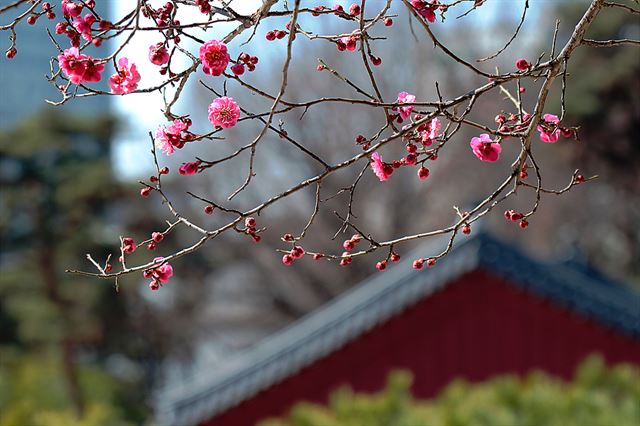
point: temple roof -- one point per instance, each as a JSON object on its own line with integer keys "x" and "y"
{"x": 384, "y": 295}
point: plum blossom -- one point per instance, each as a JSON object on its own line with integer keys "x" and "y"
{"x": 169, "y": 138}
{"x": 429, "y": 14}
{"x": 163, "y": 272}
{"x": 522, "y": 64}
{"x": 410, "y": 160}
{"x": 434, "y": 128}
{"x": 426, "y": 10}
{"x": 485, "y": 149}
{"x": 224, "y": 112}
{"x": 158, "y": 54}
{"x": 189, "y": 168}
{"x": 129, "y": 245}
{"x": 214, "y": 57}
{"x": 545, "y": 134}
{"x": 350, "y": 43}
{"x": 159, "y": 274}
{"x": 80, "y": 68}
{"x": 71, "y": 9}
{"x": 380, "y": 169}
{"x": 83, "y": 25}
{"x": 126, "y": 78}
{"x": 404, "y": 97}
{"x": 429, "y": 135}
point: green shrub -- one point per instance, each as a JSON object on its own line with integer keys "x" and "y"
{"x": 598, "y": 395}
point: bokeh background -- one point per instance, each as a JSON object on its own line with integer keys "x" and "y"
{"x": 71, "y": 344}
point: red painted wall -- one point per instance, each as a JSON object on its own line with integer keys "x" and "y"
{"x": 476, "y": 327}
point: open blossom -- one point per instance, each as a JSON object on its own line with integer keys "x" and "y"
{"x": 434, "y": 128}
{"x": 224, "y": 112}
{"x": 546, "y": 135}
{"x": 129, "y": 245}
{"x": 80, "y": 68}
{"x": 169, "y": 138}
{"x": 429, "y": 14}
{"x": 381, "y": 169}
{"x": 485, "y": 149}
{"x": 189, "y": 168}
{"x": 404, "y": 97}
{"x": 163, "y": 272}
{"x": 83, "y": 25}
{"x": 158, "y": 54}
{"x": 214, "y": 57}
{"x": 70, "y": 8}
{"x": 126, "y": 79}
{"x": 429, "y": 135}
{"x": 426, "y": 10}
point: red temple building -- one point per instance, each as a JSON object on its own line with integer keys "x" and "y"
{"x": 485, "y": 309}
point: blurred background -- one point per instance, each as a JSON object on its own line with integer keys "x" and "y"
{"x": 71, "y": 344}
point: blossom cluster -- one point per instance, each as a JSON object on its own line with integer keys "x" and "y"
{"x": 126, "y": 78}
{"x": 158, "y": 274}
{"x": 172, "y": 137}
{"x": 414, "y": 129}
{"x": 427, "y": 9}
{"x": 80, "y": 68}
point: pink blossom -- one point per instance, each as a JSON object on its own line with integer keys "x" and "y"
{"x": 169, "y": 138}
{"x": 163, "y": 272}
{"x": 162, "y": 141}
{"x": 92, "y": 73}
{"x": 425, "y": 9}
{"x": 522, "y": 64}
{"x": 410, "y": 160}
{"x": 83, "y": 25}
{"x": 545, "y": 134}
{"x": 350, "y": 43}
{"x": 485, "y": 149}
{"x": 80, "y": 68}
{"x": 381, "y": 169}
{"x": 404, "y": 97}
{"x": 126, "y": 79}
{"x": 189, "y": 168}
{"x": 549, "y": 137}
{"x": 434, "y": 128}
{"x": 429, "y": 14}
{"x": 129, "y": 245}
{"x": 177, "y": 127}
{"x": 71, "y": 9}
{"x": 425, "y": 138}
{"x": 158, "y": 54}
{"x": 214, "y": 57}
{"x": 429, "y": 135}
{"x": 224, "y": 112}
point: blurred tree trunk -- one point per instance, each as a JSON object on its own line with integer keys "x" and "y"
{"x": 47, "y": 255}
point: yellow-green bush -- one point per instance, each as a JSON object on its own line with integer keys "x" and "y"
{"x": 598, "y": 395}
{"x": 33, "y": 393}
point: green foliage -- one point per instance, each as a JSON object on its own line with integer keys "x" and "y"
{"x": 46, "y": 220}
{"x": 57, "y": 191}
{"x": 598, "y": 395}
{"x": 33, "y": 392}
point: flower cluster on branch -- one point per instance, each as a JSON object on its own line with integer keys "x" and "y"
{"x": 422, "y": 126}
